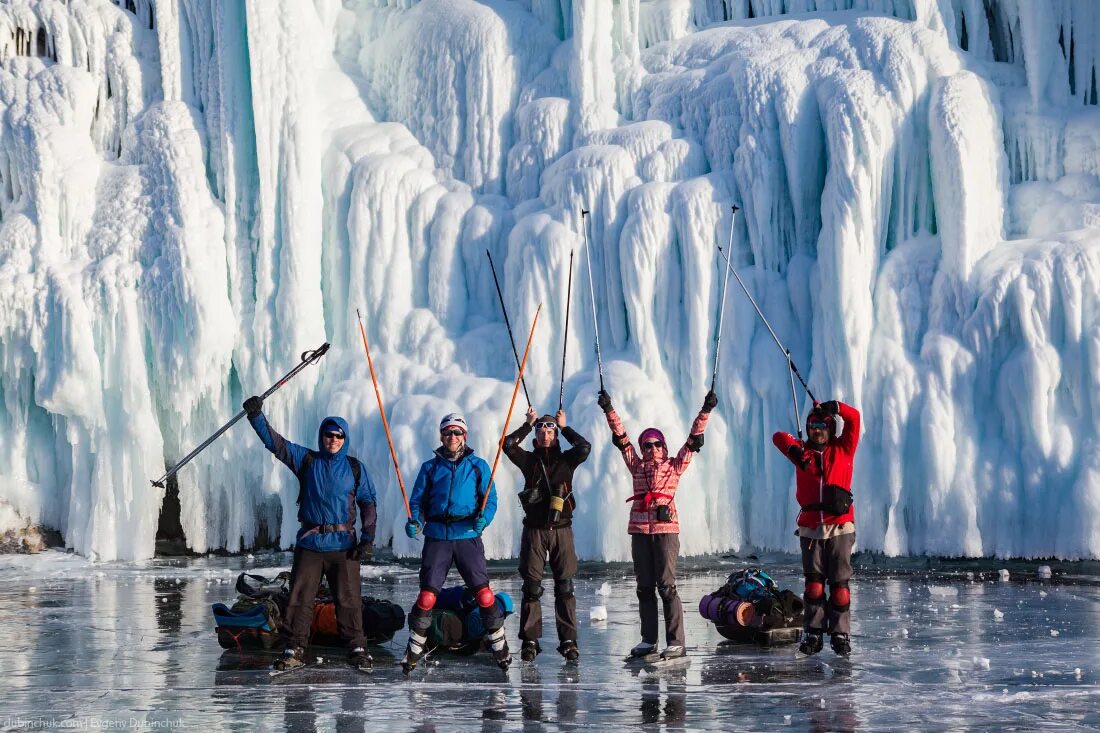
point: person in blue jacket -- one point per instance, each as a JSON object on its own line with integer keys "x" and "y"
{"x": 331, "y": 484}
{"x": 446, "y": 506}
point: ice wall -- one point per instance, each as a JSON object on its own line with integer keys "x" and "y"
{"x": 193, "y": 193}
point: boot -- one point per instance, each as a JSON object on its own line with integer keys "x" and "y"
{"x": 291, "y": 659}
{"x": 569, "y": 650}
{"x": 414, "y": 651}
{"x": 361, "y": 660}
{"x": 643, "y": 649}
{"x": 841, "y": 644}
{"x": 672, "y": 652}
{"x": 529, "y": 651}
{"x": 811, "y": 643}
{"x": 499, "y": 644}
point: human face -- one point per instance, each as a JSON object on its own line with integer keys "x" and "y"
{"x": 453, "y": 439}
{"x": 545, "y": 433}
{"x": 332, "y": 441}
{"x": 653, "y": 449}
{"x": 817, "y": 431}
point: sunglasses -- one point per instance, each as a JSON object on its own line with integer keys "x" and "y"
{"x": 817, "y": 425}
{"x": 333, "y": 436}
{"x": 548, "y": 425}
{"x": 653, "y": 444}
{"x": 452, "y": 432}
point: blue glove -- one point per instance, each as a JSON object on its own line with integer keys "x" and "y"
{"x": 411, "y": 528}
{"x": 480, "y": 524}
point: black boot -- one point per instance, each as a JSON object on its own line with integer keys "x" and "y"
{"x": 361, "y": 660}
{"x": 414, "y": 651}
{"x": 292, "y": 659}
{"x": 499, "y": 645}
{"x": 842, "y": 645}
{"x": 529, "y": 651}
{"x": 811, "y": 643}
{"x": 569, "y": 650}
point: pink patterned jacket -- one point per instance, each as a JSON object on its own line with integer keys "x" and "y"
{"x": 655, "y": 480}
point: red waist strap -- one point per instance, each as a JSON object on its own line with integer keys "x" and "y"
{"x": 647, "y": 497}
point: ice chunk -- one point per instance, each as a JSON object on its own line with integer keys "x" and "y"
{"x": 1042, "y": 594}
{"x": 1054, "y": 632}
{"x": 998, "y": 614}
{"x": 943, "y": 591}
{"x": 604, "y": 590}
{"x": 981, "y": 662}
{"x": 597, "y": 614}
{"x": 1044, "y": 572}
{"x": 1003, "y": 574}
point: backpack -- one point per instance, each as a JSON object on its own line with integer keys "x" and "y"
{"x": 750, "y": 584}
{"x": 307, "y": 461}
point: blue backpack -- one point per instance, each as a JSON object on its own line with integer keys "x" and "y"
{"x": 751, "y": 584}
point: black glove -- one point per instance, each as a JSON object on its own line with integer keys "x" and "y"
{"x": 695, "y": 442}
{"x": 253, "y": 406}
{"x": 797, "y": 454}
{"x": 832, "y": 407}
{"x": 364, "y": 552}
{"x": 604, "y": 401}
{"x": 710, "y": 401}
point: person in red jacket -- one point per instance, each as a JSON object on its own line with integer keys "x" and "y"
{"x": 826, "y": 522}
{"x": 654, "y": 523}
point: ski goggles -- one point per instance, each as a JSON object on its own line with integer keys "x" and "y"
{"x": 452, "y": 432}
{"x": 817, "y": 425}
{"x": 547, "y": 425}
{"x": 333, "y": 436}
{"x": 653, "y": 444}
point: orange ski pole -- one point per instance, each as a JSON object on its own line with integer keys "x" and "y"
{"x": 381, "y": 409}
{"x": 511, "y": 406}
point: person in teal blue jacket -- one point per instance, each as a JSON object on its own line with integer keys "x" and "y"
{"x": 331, "y": 484}
{"x": 446, "y": 507}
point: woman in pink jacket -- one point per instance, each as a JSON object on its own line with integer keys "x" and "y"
{"x": 654, "y": 524}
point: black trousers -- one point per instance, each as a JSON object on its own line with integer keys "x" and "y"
{"x": 535, "y": 545}
{"x": 342, "y": 572}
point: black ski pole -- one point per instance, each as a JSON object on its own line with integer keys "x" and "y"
{"x": 592, "y": 294}
{"x": 308, "y": 357}
{"x": 565, "y": 339}
{"x": 784, "y": 349}
{"x": 722, "y": 305}
{"x": 508, "y": 324}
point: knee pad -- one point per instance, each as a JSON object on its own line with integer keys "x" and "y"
{"x": 667, "y": 592}
{"x": 563, "y": 588}
{"x": 839, "y": 597}
{"x": 646, "y": 592}
{"x": 485, "y": 597}
{"x": 532, "y": 591}
{"x": 815, "y": 591}
{"x": 426, "y": 600}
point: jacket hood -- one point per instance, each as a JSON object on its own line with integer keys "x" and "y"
{"x": 334, "y": 421}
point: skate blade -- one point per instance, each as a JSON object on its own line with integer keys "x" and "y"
{"x": 642, "y": 658}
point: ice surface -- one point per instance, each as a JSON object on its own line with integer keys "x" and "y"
{"x": 193, "y": 193}
{"x": 137, "y": 641}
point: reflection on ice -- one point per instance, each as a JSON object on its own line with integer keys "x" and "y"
{"x": 112, "y": 643}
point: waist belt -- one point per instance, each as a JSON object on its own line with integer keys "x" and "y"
{"x": 327, "y": 528}
{"x": 648, "y": 497}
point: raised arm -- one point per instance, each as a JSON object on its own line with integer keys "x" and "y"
{"x": 513, "y": 443}
{"x": 791, "y": 447}
{"x": 850, "y": 415}
{"x": 291, "y": 454}
{"x": 694, "y": 442}
{"x": 618, "y": 433}
{"x": 580, "y": 448}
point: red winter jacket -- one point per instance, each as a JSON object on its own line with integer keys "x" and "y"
{"x": 832, "y": 465}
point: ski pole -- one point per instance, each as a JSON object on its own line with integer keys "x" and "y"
{"x": 308, "y": 357}
{"x": 382, "y": 410}
{"x": 511, "y": 406}
{"x": 794, "y": 397}
{"x": 565, "y": 339}
{"x": 592, "y": 294}
{"x": 784, "y": 349}
{"x": 722, "y": 305}
{"x": 508, "y": 324}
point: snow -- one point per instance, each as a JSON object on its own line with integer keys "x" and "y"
{"x": 192, "y": 194}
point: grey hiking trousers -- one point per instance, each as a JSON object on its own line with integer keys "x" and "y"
{"x": 654, "y": 558}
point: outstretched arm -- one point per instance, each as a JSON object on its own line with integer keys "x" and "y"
{"x": 850, "y": 415}
{"x": 620, "y": 438}
{"x": 580, "y": 449}
{"x": 513, "y": 446}
{"x": 289, "y": 453}
{"x": 694, "y": 442}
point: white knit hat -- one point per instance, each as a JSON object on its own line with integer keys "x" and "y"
{"x": 453, "y": 420}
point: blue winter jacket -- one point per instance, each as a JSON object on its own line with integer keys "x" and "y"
{"x": 447, "y": 495}
{"x": 328, "y": 493}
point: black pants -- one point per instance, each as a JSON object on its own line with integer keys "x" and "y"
{"x": 655, "y": 570}
{"x": 342, "y": 572}
{"x": 536, "y": 544}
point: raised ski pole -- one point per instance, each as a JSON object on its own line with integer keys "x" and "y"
{"x": 382, "y": 410}
{"x": 592, "y": 294}
{"x": 565, "y": 339}
{"x": 784, "y": 349}
{"x": 722, "y": 304}
{"x": 308, "y": 357}
{"x": 508, "y": 324}
{"x": 511, "y": 406}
